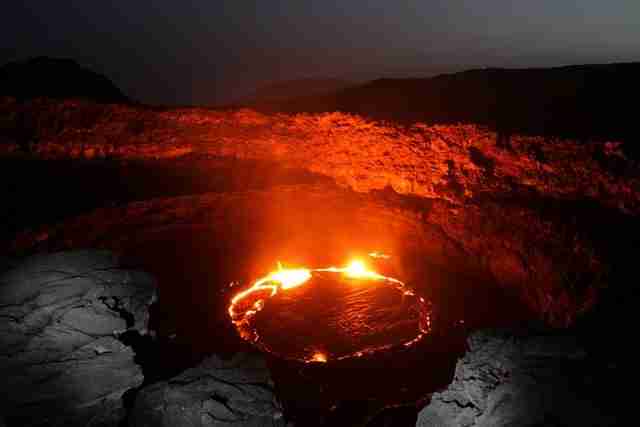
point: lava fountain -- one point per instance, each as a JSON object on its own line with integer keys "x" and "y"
{"x": 332, "y": 313}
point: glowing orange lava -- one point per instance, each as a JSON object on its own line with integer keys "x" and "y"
{"x": 245, "y": 304}
{"x": 319, "y": 357}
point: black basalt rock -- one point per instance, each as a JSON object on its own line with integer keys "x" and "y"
{"x": 516, "y": 378}
{"x": 237, "y": 392}
{"x": 61, "y": 358}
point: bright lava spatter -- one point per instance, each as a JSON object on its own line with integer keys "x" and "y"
{"x": 284, "y": 279}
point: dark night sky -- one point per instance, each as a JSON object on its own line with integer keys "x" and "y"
{"x": 203, "y": 52}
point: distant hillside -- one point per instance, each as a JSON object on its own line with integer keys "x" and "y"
{"x": 56, "y": 78}
{"x": 291, "y": 89}
{"x": 586, "y": 101}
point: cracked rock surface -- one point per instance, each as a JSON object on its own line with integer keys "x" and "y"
{"x": 506, "y": 379}
{"x": 61, "y": 361}
{"x": 237, "y": 392}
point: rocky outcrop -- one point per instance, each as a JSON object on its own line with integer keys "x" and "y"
{"x": 510, "y": 379}
{"x": 61, "y": 359}
{"x": 236, "y": 392}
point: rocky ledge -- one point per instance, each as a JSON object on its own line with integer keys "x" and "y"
{"x": 236, "y": 392}
{"x": 511, "y": 378}
{"x": 62, "y": 317}
{"x": 68, "y": 323}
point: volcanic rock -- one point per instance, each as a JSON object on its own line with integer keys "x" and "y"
{"x": 363, "y": 154}
{"x": 510, "y": 379}
{"x": 61, "y": 315}
{"x": 236, "y": 392}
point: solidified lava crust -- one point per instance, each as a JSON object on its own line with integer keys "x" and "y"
{"x": 332, "y": 316}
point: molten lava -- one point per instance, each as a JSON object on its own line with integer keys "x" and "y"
{"x": 329, "y": 313}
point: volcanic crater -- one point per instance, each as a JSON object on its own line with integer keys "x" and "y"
{"x": 489, "y": 236}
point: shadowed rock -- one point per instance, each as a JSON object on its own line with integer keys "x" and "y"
{"x": 579, "y": 100}
{"x": 511, "y": 380}
{"x": 238, "y": 392}
{"x": 56, "y": 78}
{"x": 61, "y": 361}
